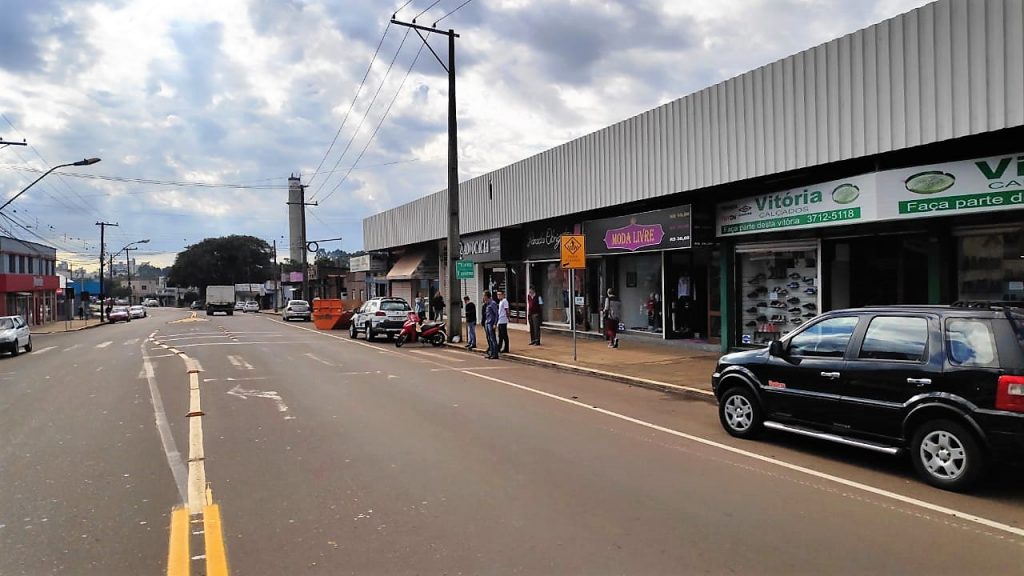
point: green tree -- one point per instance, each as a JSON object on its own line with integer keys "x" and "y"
{"x": 146, "y": 270}
{"x": 226, "y": 260}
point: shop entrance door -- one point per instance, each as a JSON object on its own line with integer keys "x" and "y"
{"x": 878, "y": 271}
{"x": 686, "y": 293}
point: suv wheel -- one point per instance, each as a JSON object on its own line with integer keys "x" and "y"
{"x": 370, "y": 335}
{"x": 946, "y": 455}
{"x": 352, "y": 333}
{"x": 740, "y": 413}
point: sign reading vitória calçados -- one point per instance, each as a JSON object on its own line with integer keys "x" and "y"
{"x": 963, "y": 187}
{"x": 837, "y": 202}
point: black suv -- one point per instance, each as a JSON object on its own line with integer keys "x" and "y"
{"x": 945, "y": 383}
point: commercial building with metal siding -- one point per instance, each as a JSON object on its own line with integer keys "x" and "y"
{"x": 934, "y": 84}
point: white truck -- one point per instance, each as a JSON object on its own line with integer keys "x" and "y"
{"x": 220, "y": 299}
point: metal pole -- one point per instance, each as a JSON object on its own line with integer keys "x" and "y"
{"x": 455, "y": 291}
{"x": 277, "y": 279}
{"x": 572, "y": 310}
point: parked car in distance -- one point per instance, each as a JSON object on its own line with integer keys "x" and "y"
{"x": 137, "y": 311}
{"x": 239, "y": 306}
{"x": 151, "y": 303}
{"x": 121, "y": 302}
{"x": 196, "y": 305}
{"x": 944, "y": 383}
{"x": 251, "y": 306}
{"x": 379, "y": 317}
{"x": 296, "y": 309}
{"x": 15, "y": 335}
{"x": 119, "y": 314}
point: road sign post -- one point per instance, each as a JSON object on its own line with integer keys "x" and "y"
{"x": 573, "y": 250}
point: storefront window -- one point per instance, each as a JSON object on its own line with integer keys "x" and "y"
{"x": 779, "y": 291}
{"x": 991, "y": 266}
{"x": 639, "y": 288}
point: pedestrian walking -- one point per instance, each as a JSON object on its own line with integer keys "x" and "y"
{"x": 420, "y": 306}
{"x": 490, "y": 321}
{"x": 611, "y": 311}
{"x": 470, "y": 309}
{"x": 502, "y": 322}
{"x": 533, "y": 314}
{"x": 81, "y": 311}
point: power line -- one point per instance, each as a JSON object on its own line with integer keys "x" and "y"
{"x": 365, "y": 114}
{"x": 425, "y": 9}
{"x": 353, "y": 103}
{"x": 459, "y": 7}
{"x": 178, "y": 183}
{"x": 372, "y": 135}
{"x": 400, "y": 8}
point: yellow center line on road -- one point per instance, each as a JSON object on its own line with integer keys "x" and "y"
{"x": 216, "y": 556}
{"x": 178, "y": 560}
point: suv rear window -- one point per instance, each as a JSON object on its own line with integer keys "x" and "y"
{"x": 970, "y": 342}
{"x": 896, "y": 338}
{"x": 1017, "y": 320}
{"x": 394, "y": 305}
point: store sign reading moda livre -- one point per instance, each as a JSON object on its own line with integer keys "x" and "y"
{"x": 647, "y": 231}
{"x": 964, "y": 187}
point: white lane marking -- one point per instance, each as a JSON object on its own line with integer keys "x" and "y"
{"x": 196, "y": 454}
{"x": 316, "y": 358}
{"x": 229, "y": 379}
{"x": 245, "y": 394}
{"x": 105, "y": 344}
{"x": 464, "y": 368}
{"x": 241, "y": 343}
{"x": 41, "y": 350}
{"x": 445, "y": 357}
{"x": 163, "y": 427}
{"x": 768, "y": 459}
{"x": 201, "y": 335}
{"x": 160, "y": 356}
{"x": 130, "y": 342}
{"x": 240, "y": 363}
{"x": 70, "y": 348}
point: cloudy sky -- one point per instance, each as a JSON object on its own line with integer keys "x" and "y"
{"x": 200, "y": 109}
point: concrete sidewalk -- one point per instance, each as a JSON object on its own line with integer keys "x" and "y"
{"x": 69, "y": 326}
{"x": 647, "y": 364}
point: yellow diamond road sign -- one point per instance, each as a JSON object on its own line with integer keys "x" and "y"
{"x": 574, "y": 252}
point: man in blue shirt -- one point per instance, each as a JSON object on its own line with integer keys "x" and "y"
{"x": 490, "y": 319}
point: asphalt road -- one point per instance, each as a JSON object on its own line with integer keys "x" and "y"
{"x": 328, "y": 456}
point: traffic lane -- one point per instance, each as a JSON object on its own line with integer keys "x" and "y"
{"x": 86, "y": 485}
{"x": 1000, "y": 497}
{"x": 467, "y": 475}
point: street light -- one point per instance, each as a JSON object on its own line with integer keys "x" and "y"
{"x": 128, "y": 263}
{"x": 85, "y": 162}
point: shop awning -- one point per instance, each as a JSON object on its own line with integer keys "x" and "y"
{"x": 407, "y": 265}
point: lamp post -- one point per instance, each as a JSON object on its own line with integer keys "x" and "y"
{"x": 128, "y": 263}
{"x": 85, "y": 162}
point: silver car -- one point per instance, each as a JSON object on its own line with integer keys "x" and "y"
{"x": 14, "y": 335}
{"x": 296, "y": 309}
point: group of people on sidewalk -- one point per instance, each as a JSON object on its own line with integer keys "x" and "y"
{"x": 496, "y": 314}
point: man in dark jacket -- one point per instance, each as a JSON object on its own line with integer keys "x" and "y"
{"x": 470, "y": 309}
{"x": 533, "y": 304}
{"x": 490, "y": 320}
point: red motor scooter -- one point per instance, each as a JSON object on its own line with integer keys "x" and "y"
{"x": 432, "y": 332}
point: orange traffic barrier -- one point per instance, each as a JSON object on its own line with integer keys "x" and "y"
{"x": 327, "y": 313}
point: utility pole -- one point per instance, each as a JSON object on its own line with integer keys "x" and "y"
{"x": 454, "y": 289}
{"x": 305, "y": 246}
{"x": 103, "y": 229}
{"x": 128, "y": 263}
{"x": 277, "y": 279}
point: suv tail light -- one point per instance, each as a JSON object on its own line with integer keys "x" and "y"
{"x": 380, "y": 313}
{"x": 1010, "y": 393}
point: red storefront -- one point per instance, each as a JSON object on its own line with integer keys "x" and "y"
{"x": 32, "y": 296}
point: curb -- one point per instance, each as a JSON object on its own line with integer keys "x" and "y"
{"x": 688, "y": 391}
{"x": 96, "y": 325}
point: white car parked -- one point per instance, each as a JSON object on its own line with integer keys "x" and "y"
{"x": 251, "y": 306}
{"x": 15, "y": 335}
{"x": 137, "y": 311}
{"x": 296, "y": 309}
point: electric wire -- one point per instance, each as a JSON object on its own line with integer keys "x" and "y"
{"x": 459, "y": 7}
{"x": 375, "y": 130}
{"x": 351, "y": 104}
{"x": 402, "y": 7}
{"x": 425, "y": 9}
{"x": 373, "y": 100}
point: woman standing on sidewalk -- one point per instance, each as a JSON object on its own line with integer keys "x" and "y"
{"x": 611, "y": 312}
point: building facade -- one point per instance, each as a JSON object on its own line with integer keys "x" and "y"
{"x": 886, "y": 166}
{"x": 28, "y": 281}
